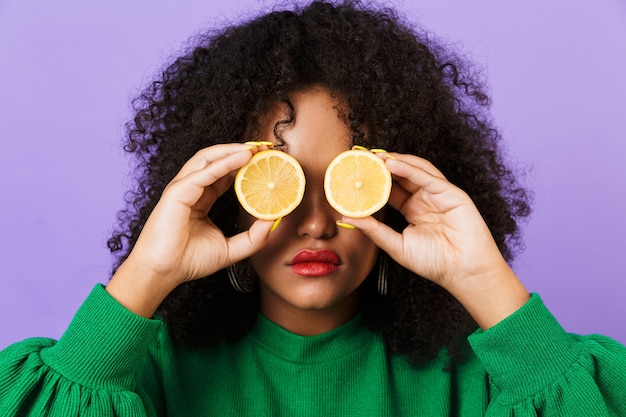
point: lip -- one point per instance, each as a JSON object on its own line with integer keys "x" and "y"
{"x": 315, "y": 263}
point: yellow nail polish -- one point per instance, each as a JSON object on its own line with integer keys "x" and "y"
{"x": 386, "y": 155}
{"x": 276, "y": 223}
{"x": 359, "y": 148}
{"x": 253, "y": 143}
{"x": 267, "y": 143}
{"x": 345, "y": 225}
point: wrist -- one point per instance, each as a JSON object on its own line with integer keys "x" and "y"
{"x": 491, "y": 296}
{"x": 139, "y": 289}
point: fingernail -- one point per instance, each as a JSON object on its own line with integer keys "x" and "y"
{"x": 359, "y": 148}
{"x": 266, "y": 143}
{"x": 384, "y": 152}
{"x": 254, "y": 143}
{"x": 345, "y": 225}
{"x": 275, "y": 225}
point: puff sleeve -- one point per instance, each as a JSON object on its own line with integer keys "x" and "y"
{"x": 92, "y": 370}
{"x": 535, "y": 368}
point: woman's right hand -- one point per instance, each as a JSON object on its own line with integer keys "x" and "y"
{"x": 179, "y": 242}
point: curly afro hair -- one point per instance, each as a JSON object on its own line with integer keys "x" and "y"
{"x": 405, "y": 88}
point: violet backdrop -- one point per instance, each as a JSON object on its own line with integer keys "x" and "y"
{"x": 69, "y": 68}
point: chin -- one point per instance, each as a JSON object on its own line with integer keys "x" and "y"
{"x": 320, "y": 298}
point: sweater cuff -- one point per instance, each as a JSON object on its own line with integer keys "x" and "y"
{"x": 104, "y": 345}
{"x": 525, "y": 350}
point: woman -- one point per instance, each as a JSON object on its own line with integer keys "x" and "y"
{"x": 170, "y": 335}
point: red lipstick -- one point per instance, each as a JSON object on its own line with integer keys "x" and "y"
{"x": 315, "y": 263}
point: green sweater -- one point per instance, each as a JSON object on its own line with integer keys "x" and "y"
{"x": 111, "y": 362}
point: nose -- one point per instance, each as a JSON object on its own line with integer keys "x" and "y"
{"x": 315, "y": 217}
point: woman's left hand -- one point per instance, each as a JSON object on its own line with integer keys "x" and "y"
{"x": 446, "y": 241}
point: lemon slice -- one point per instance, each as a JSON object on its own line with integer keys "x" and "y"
{"x": 270, "y": 185}
{"x": 357, "y": 183}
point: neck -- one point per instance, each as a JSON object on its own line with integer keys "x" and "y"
{"x": 308, "y": 321}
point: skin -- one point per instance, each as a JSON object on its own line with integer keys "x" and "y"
{"x": 311, "y": 305}
{"x": 446, "y": 240}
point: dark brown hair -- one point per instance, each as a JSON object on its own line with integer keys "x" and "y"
{"x": 410, "y": 92}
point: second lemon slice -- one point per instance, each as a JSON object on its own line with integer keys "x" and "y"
{"x": 357, "y": 183}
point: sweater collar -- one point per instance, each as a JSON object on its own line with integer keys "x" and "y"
{"x": 291, "y": 347}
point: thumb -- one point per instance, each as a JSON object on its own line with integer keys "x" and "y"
{"x": 246, "y": 243}
{"x": 382, "y": 235}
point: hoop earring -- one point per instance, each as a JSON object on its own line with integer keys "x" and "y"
{"x": 241, "y": 277}
{"x": 382, "y": 273}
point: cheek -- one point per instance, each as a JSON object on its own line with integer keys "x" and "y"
{"x": 362, "y": 252}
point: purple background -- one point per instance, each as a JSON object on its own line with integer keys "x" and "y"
{"x": 68, "y": 69}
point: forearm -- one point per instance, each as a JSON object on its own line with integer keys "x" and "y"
{"x": 139, "y": 289}
{"x": 491, "y": 296}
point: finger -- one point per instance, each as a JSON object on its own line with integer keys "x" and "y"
{"x": 378, "y": 232}
{"x": 412, "y": 178}
{"x": 214, "y": 191}
{"x": 245, "y": 244}
{"x": 223, "y": 184}
{"x": 206, "y": 156}
{"x": 419, "y": 162}
{"x": 191, "y": 188}
{"x": 398, "y": 196}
